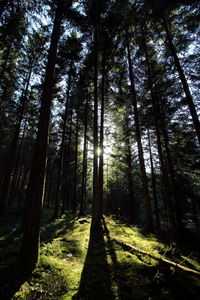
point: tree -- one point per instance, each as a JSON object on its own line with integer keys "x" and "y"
{"x": 35, "y": 193}
{"x": 183, "y": 79}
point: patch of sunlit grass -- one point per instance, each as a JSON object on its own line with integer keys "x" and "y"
{"x": 132, "y": 235}
{"x": 61, "y": 261}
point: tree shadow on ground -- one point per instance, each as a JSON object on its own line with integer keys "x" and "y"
{"x": 126, "y": 273}
{"x": 113, "y": 256}
{"x": 95, "y": 280}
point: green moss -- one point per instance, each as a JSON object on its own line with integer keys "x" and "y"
{"x": 24, "y": 292}
{"x": 104, "y": 271}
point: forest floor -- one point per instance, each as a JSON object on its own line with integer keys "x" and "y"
{"x": 69, "y": 269}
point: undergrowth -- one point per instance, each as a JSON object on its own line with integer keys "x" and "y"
{"x": 69, "y": 270}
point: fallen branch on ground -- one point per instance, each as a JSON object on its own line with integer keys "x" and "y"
{"x": 132, "y": 249}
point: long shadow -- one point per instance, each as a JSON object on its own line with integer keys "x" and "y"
{"x": 124, "y": 272}
{"x": 113, "y": 256}
{"x": 95, "y": 280}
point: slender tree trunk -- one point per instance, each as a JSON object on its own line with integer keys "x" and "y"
{"x": 85, "y": 181}
{"x": 66, "y": 198}
{"x": 132, "y": 209}
{"x": 84, "y": 163}
{"x": 35, "y": 194}
{"x": 153, "y": 178}
{"x": 74, "y": 204}
{"x": 101, "y": 145}
{"x": 96, "y": 206}
{"x": 147, "y": 201}
{"x": 183, "y": 79}
{"x": 13, "y": 148}
{"x": 61, "y": 157}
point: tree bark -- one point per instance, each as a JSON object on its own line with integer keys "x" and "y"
{"x": 66, "y": 198}
{"x": 35, "y": 194}
{"x": 74, "y": 204}
{"x": 153, "y": 178}
{"x": 84, "y": 164}
{"x": 96, "y": 205}
{"x": 101, "y": 142}
{"x": 130, "y": 179}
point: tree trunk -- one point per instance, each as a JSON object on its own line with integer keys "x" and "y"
{"x": 61, "y": 157}
{"x": 85, "y": 182}
{"x": 132, "y": 210}
{"x": 35, "y": 194}
{"x": 153, "y": 178}
{"x": 66, "y": 198}
{"x": 74, "y": 204}
{"x": 84, "y": 164}
{"x": 183, "y": 79}
{"x": 96, "y": 205}
{"x": 101, "y": 146}
{"x": 147, "y": 201}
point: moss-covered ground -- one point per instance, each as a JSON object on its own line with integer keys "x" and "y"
{"x": 72, "y": 268}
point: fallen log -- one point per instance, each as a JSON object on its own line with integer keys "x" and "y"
{"x": 132, "y": 249}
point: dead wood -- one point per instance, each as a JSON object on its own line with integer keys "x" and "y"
{"x": 132, "y": 249}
